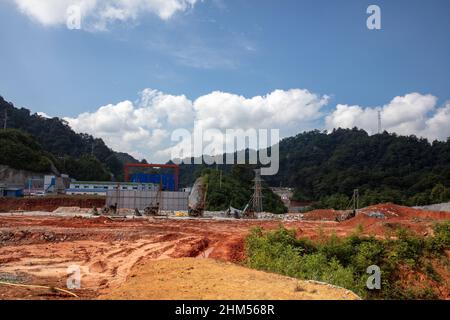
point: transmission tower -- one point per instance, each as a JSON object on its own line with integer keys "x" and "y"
{"x": 355, "y": 200}
{"x": 257, "y": 193}
{"x": 379, "y": 122}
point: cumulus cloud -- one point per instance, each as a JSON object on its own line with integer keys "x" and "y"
{"x": 438, "y": 126}
{"x": 138, "y": 128}
{"x": 144, "y": 127}
{"x": 279, "y": 109}
{"x": 413, "y": 113}
{"x": 98, "y": 13}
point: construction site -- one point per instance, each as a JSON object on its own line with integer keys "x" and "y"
{"x": 158, "y": 242}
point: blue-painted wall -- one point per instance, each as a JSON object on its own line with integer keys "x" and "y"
{"x": 167, "y": 180}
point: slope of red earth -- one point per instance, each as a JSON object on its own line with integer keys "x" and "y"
{"x": 49, "y": 204}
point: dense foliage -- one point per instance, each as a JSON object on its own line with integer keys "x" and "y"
{"x": 325, "y": 168}
{"x": 56, "y": 137}
{"x": 20, "y": 151}
{"x": 384, "y": 167}
{"x": 344, "y": 262}
{"x": 235, "y": 189}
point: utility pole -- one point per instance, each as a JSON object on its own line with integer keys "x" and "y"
{"x": 355, "y": 200}
{"x": 6, "y": 119}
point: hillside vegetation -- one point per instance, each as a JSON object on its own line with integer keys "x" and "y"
{"x": 19, "y": 150}
{"x": 412, "y": 266}
{"x": 80, "y": 155}
{"x": 325, "y": 168}
{"x": 384, "y": 167}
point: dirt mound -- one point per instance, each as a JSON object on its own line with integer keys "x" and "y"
{"x": 380, "y": 211}
{"x": 187, "y": 278}
{"x": 390, "y": 210}
{"x": 384, "y": 219}
{"x": 49, "y": 204}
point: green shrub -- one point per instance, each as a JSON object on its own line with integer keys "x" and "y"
{"x": 343, "y": 262}
{"x": 441, "y": 239}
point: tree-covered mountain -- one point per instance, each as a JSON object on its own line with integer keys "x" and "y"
{"x": 19, "y": 150}
{"x": 325, "y": 168}
{"x": 73, "y": 153}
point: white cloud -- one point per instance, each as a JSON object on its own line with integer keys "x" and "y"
{"x": 279, "y": 109}
{"x": 137, "y": 128}
{"x": 43, "y": 115}
{"x": 98, "y": 13}
{"x": 438, "y": 126}
{"x": 144, "y": 128}
{"x": 413, "y": 113}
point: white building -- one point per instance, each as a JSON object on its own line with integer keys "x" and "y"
{"x": 100, "y": 188}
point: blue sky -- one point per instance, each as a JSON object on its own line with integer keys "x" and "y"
{"x": 248, "y": 48}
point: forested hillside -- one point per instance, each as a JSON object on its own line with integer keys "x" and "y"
{"x": 384, "y": 167}
{"x": 19, "y": 150}
{"x": 326, "y": 167}
{"x": 80, "y": 155}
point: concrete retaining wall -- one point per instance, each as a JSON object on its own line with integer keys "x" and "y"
{"x": 168, "y": 200}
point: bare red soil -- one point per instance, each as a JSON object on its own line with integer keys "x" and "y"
{"x": 50, "y": 204}
{"x": 39, "y": 249}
